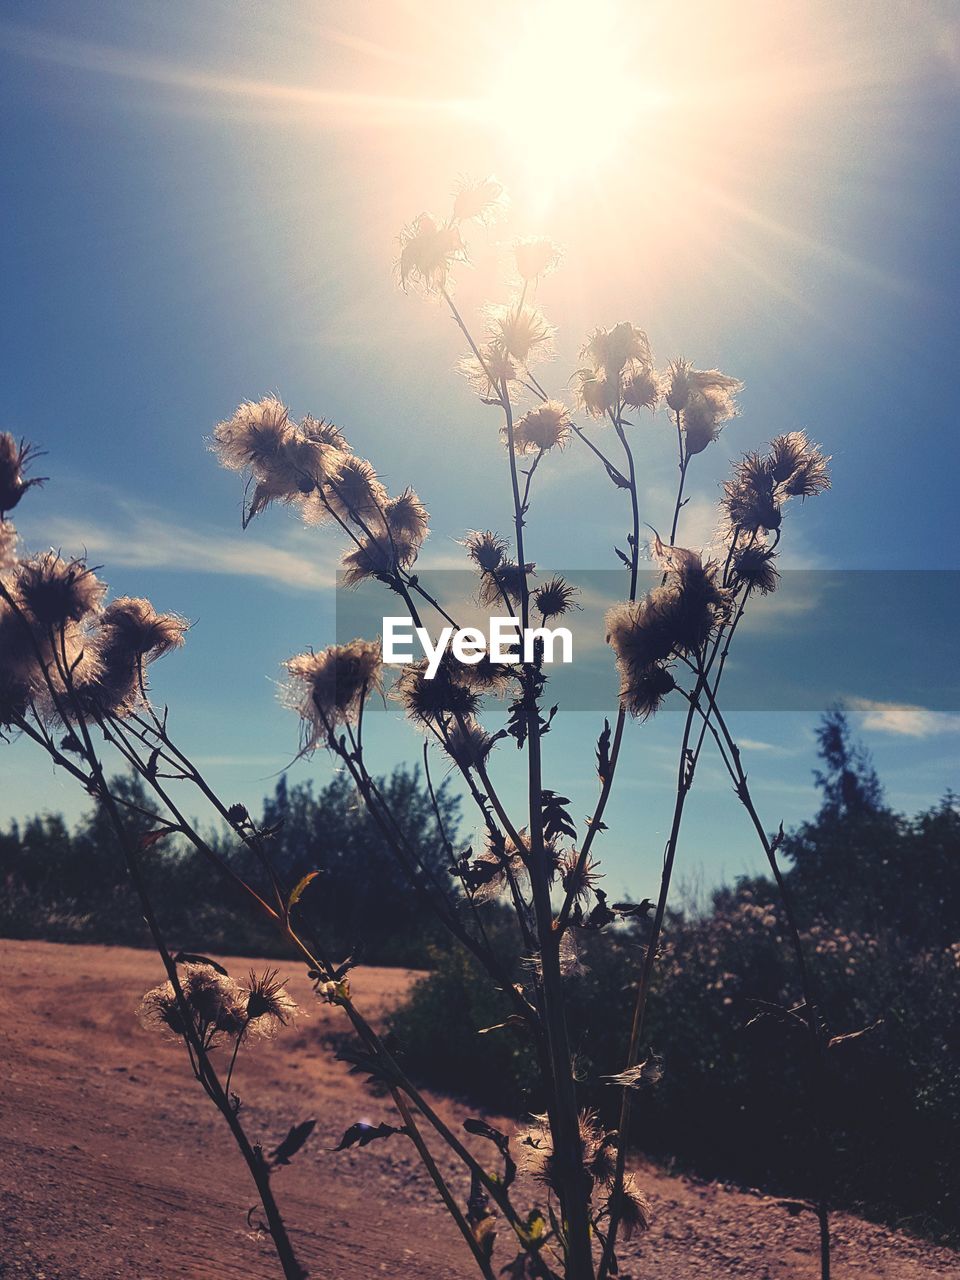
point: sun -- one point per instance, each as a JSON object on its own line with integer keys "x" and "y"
{"x": 570, "y": 94}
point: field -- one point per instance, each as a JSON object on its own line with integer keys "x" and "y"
{"x": 115, "y": 1167}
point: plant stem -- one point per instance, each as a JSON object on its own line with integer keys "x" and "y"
{"x": 742, "y": 789}
{"x": 572, "y": 1184}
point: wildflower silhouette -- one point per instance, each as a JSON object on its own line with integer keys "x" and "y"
{"x": 73, "y": 675}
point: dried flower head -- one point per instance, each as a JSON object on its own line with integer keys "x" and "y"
{"x": 546, "y": 427}
{"x": 642, "y": 692}
{"x": 254, "y": 437}
{"x": 328, "y": 688}
{"x": 42, "y": 664}
{"x": 55, "y": 591}
{"x": 19, "y": 646}
{"x": 579, "y": 881}
{"x": 14, "y": 699}
{"x": 535, "y": 257}
{"x": 487, "y": 676}
{"x": 268, "y": 1006}
{"x": 609, "y": 350}
{"x": 750, "y": 498}
{"x": 377, "y": 557}
{"x": 703, "y": 416}
{"x": 319, "y": 431}
{"x": 754, "y": 566}
{"x": 640, "y": 386}
{"x": 486, "y": 550}
{"x": 467, "y": 743}
{"x": 596, "y": 393}
{"x": 571, "y": 963}
{"x": 507, "y": 580}
{"x": 428, "y": 250}
{"x": 407, "y": 518}
{"x": 20, "y": 673}
{"x": 798, "y": 466}
{"x": 491, "y": 871}
{"x": 14, "y": 459}
{"x": 534, "y": 1146}
{"x": 355, "y": 493}
{"x": 130, "y": 633}
{"x": 495, "y": 368}
{"x": 215, "y": 1005}
{"x": 143, "y": 630}
{"x": 682, "y": 380}
{"x": 285, "y": 461}
{"x": 674, "y": 619}
{"x": 554, "y": 598}
{"x": 445, "y": 697}
{"x": 522, "y": 331}
{"x": 634, "y": 1208}
{"x": 482, "y": 200}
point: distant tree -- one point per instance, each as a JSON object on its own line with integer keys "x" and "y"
{"x": 848, "y": 780}
{"x": 860, "y": 864}
{"x": 361, "y": 896}
{"x": 72, "y": 884}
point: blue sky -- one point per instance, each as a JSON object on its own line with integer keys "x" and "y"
{"x": 201, "y": 204}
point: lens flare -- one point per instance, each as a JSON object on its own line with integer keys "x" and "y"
{"x": 570, "y": 94}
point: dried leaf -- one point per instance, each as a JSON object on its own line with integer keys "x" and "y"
{"x": 150, "y": 838}
{"x": 502, "y": 1143}
{"x": 361, "y": 1134}
{"x": 767, "y": 1012}
{"x": 603, "y": 753}
{"x": 514, "y": 1020}
{"x": 298, "y": 890}
{"x": 628, "y": 909}
{"x": 292, "y": 1143}
{"x": 556, "y": 816}
{"x": 648, "y": 1072}
{"x": 838, "y": 1042}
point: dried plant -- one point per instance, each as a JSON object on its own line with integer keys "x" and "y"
{"x": 73, "y": 678}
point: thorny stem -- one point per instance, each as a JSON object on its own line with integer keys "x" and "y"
{"x": 206, "y": 1074}
{"x": 684, "y": 463}
{"x": 448, "y": 847}
{"x": 410, "y": 1126}
{"x": 685, "y": 773}
{"x": 742, "y": 790}
{"x": 190, "y": 773}
{"x": 397, "y": 1085}
{"x": 397, "y": 1081}
{"x": 606, "y": 783}
{"x": 196, "y": 1049}
{"x": 615, "y": 474}
{"x": 571, "y": 1181}
{"x": 407, "y": 856}
{"x": 684, "y": 782}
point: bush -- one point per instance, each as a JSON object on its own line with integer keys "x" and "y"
{"x": 733, "y": 1100}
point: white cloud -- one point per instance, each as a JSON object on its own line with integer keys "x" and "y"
{"x": 754, "y": 744}
{"x": 136, "y": 539}
{"x": 904, "y": 719}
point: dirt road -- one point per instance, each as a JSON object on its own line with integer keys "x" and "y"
{"x": 114, "y": 1166}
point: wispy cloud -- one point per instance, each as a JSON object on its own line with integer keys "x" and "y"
{"x": 135, "y": 538}
{"x": 767, "y": 748}
{"x": 275, "y": 761}
{"x": 332, "y": 106}
{"x": 903, "y": 719}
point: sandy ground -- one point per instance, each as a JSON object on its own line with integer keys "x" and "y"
{"x": 114, "y": 1166}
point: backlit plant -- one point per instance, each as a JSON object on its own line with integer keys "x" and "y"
{"x": 556, "y": 1198}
